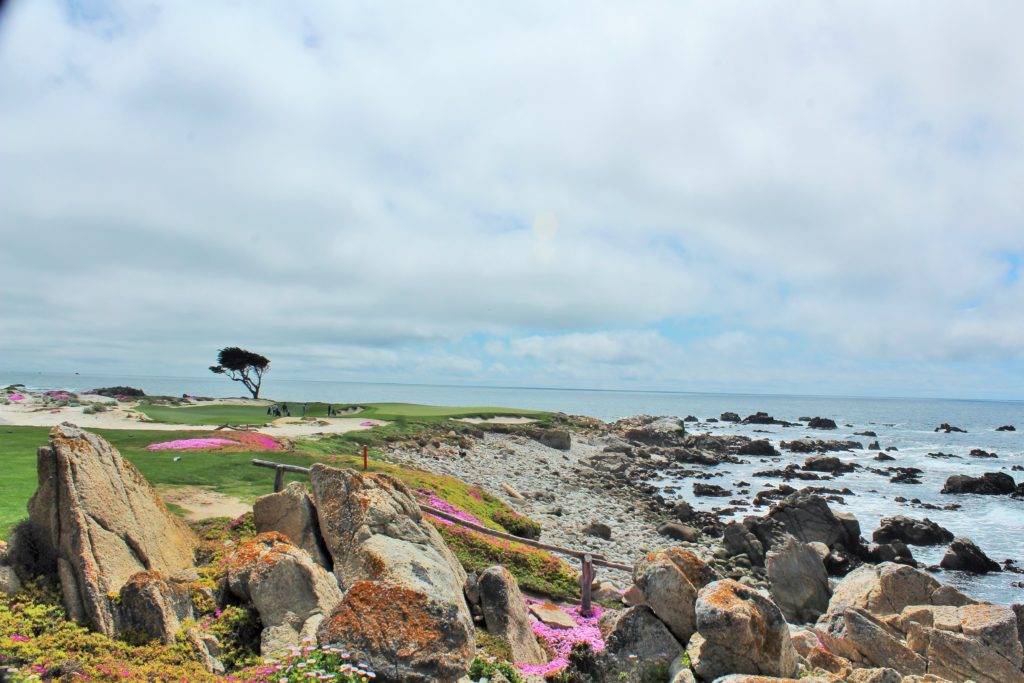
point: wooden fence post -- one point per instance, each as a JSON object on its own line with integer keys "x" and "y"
{"x": 366, "y": 458}
{"x": 278, "y": 479}
{"x": 586, "y": 585}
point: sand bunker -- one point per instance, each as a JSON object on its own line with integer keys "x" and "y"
{"x": 203, "y": 503}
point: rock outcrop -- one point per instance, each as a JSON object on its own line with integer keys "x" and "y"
{"x": 291, "y": 513}
{"x": 506, "y": 616}
{"x": 291, "y": 592}
{"x": 403, "y": 611}
{"x": 95, "y": 522}
{"x": 739, "y": 631}
{"x": 152, "y": 605}
{"x": 887, "y": 588}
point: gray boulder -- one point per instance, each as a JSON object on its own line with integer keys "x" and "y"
{"x": 505, "y": 615}
{"x": 637, "y": 647}
{"x": 669, "y": 581}
{"x": 290, "y": 512}
{"x": 291, "y": 592}
{"x": 798, "y": 581}
{"x": 739, "y": 631}
{"x": 808, "y": 518}
{"x": 154, "y": 606}
{"x": 738, "y": 539}
{"x": 887, "y": 588}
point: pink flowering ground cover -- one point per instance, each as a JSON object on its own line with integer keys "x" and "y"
{"x": 16, "y": 397}
{"x": 561, "y": 640}
{"x": 191, "y": 444}
{"x": 435, "y": 501}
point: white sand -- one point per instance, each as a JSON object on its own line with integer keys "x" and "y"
{"x": 122, "y": 416}
{"x": 202, "y": 503}
{"x": 507, "y": 420}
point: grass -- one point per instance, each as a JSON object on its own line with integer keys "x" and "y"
{"x": 217, "y": 414}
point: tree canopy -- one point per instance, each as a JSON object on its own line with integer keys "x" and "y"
{"x": 242, "y": 366}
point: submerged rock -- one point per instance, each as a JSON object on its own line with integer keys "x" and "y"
{"x": 965, "y": 555}
{"x": 912, "y": 531}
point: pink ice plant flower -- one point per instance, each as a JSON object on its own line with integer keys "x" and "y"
{"x": 17, "y": 397}
{"x": 562, "y": 640}
{"x": 435, "y": 501}
{"x": 19, "y": 638}
{"x": 191, "y": 444}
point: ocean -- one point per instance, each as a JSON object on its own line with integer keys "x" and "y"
{"x": 996, "y": 523}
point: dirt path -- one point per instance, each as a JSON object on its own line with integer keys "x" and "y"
{"x": 203, "y": 503}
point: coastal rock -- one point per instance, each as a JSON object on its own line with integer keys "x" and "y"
{"x": 403, "y": 611}
{"x": 809, "y": 518}
{"x": 559, "y": 439}
{"x": 739, "y": 630}
{"x": 761, "y": 447}
{"x": 637, "y": 646}
{"x": 654, "y": 431}
{"x": 9, "y": 581}
{"x": 887, "y": 588}
{"x": 738, "y": 539}
{"x": 862, "y": 638}
{"x": 729, "y": 417}
{"x": 505, "y": 615}
{"x": 1006, "y": 428}
{"x": 821, "y": 423}
{"x": 912, "y": 531}
{"x": 668, "y": 591}
{"x": 154, "y": 606}
{"x": 981, "y": 453}
{"x": 290, "y": 591}
{"x": 679, "y": 532}
{"x": 598, "y": 530}
{"x": 965, "y": 555}
{"x": 819, "y": 445}
{"x": 549, "y": 614}
{"x": 827, "y": 463}
{"x": 290, "y": 512}
{"x": 710, "y": 490}
{"x": 798, "y": 581}
{"x": 948, "y": 428}
{"x": 96, "y": 522}
{"x": 989, "y": 483}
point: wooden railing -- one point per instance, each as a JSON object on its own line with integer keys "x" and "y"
{"x": 588, "y": 561}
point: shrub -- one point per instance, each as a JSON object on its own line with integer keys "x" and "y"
{"x": 327, "y": 662}
{"x": 94, "y": 408}
{"x": 484, "y": 669}
{"x": 119, "y": 393}
{"x": 517, "y": 524}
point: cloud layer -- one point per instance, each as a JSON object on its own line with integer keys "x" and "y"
{"x": 699, "y": 196}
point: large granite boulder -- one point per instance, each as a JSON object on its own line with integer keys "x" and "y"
{"x": 911, "y": 531}
{"x": 798, "y": 581}
{"x": 96, "y": 522}
{"x": 506, "y": 616}
{"x": 737, "y": 539}
{"x": 404, "y": 611}
{"x": 290, "y": 512}
{"x": 888, "y": 588}
{"x": 637, "y": 646}
{"x": 669, "y": 581}
{"x": 291, "y": 592}
{"x": 862, "y": 638}
{"x": 989, "y": 484}
{"x": 739, "y": 631}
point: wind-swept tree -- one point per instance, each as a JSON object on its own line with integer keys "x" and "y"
{"x": 242, "y": 366}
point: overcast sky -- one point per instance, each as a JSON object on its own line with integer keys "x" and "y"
{"x": 796, "y": 197}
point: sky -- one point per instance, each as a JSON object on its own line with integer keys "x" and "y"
{"x": 776, "y": 197}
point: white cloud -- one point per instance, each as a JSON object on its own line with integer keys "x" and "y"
{"x": 383, "y": 183}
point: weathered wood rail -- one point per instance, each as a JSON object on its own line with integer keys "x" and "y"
{"x": 588, "y": 561}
